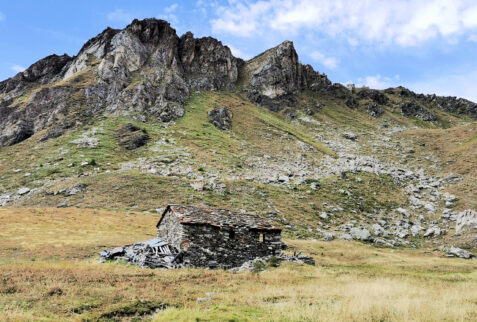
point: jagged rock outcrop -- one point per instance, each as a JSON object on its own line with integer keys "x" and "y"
{"x": 450, "y": 104}
{"x": 147, "y": 71}
{"x": 374, "y": 95}
{"x": 374, "y": 110}
{"x": 42, "y": 72}
{"x": 416, "y": 110}
{"x": 144, "y": 69}
{"x": 208, "y": 64}
{"x": 273, "y": 77}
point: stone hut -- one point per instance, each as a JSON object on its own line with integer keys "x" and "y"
{"x": 206, "y": 237}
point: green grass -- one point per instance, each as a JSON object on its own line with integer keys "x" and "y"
{"x": 281, "y": 125}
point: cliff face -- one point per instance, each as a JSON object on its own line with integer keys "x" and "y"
{"x": 147, "y": 71}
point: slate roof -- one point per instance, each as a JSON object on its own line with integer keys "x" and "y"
{"x": 200, "y": 215}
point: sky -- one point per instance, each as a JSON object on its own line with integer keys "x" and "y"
{"x": 429, "y": 46}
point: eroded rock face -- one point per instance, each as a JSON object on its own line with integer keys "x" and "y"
{"x": 208, "y": 64}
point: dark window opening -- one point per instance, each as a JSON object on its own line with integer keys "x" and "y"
{"x": 231, "y": 234}
{"x": 260, "y": 238}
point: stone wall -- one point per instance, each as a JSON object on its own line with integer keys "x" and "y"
{"x": 170, "y": 230}
{"x": 210, "y": 246}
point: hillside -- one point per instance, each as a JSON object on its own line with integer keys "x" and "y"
{"x": 106, "y": 139}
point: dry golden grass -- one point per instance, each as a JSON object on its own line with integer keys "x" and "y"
{"x": 49, "y": 271}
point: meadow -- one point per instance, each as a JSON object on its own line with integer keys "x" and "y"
{"x": 49, "y": 271}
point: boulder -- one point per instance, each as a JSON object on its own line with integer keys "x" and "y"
{"x": 350, "y": 136}
{"x": 360, "y": 234}
{"x": 328, "y": 236}
{"x": 466, "y": 221}
{"x": 23, "y": 191}
{"x": 434, "y": 231}
{"x": 221, "y": 118}
{"x": 131, "y": 137}
{"x": 458, "y": 252}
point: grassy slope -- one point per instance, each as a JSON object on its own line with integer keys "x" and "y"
{"x": 211, "y": 150}
{"x": 48, "y": 270}
{"x": 457, "y": 149}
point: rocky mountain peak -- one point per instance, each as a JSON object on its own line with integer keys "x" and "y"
{"x": 146, "y": 69}
{"x": 152, "y": 31}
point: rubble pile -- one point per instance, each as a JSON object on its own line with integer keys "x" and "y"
{"x": 152, "y": 253}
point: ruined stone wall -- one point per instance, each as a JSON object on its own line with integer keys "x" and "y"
{"x": 209, "y": 246}
{"x": 170, "y": 230}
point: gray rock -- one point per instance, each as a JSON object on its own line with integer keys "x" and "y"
{"x": 23, "y": 191}
{"x": 402, "y": 233}
{"x": 416, "y": 229}
{"x": 458, "y": 252}
{"x": 131, "y": 137}
{"x": 75, "y": 190}
{"x": 403, "y": 211}
{"x": 350, "y": 136}
{"x": 377, "y": 229}
{"x": 434, "y": 231}
{"x": 430, "y": 207}
{"x": 4, "y": 199}
{"x": 449, "y": 204}
{"x": 360, "y": 234}
{"x": 328, "y": 236}
{"x": 221, "y": 118}
{"x": 374, "y": 110}
{"x": 414, "y": 109}
{"x": 62, "y": 205}
{"x": 346, "y": 237}
{"x": 466, "y": 221}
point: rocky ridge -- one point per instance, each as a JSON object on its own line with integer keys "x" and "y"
{"x": 147, "y": 71}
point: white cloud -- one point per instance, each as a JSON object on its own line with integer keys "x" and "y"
{"x": 241, "y": 19}
{"x": 18, "y": 68}
{"x": 376, "y": 82}
{"x": 328, "y": 62}
{"x": 402, "y": 22}
{"x": 238, "y": 53}
{"x": 120, "y": 15}
{"x": 2, "y": 16}
{"x": 171, "y": 8}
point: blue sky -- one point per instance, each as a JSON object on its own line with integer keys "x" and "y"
{"x": 427, "y": 45}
